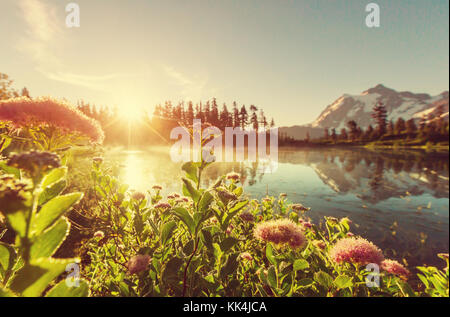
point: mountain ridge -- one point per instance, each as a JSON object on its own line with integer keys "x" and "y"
{"x": 404, "y": 104}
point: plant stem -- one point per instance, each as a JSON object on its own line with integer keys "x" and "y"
{"x": 187, "y": 266}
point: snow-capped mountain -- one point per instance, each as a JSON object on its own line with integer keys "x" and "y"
{"x": 403, "y": 104}
{"x": 359, "y": 108}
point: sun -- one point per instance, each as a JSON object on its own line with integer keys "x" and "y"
{"x": 131, "y": 114}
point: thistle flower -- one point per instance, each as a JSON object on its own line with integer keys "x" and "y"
{"x": 225, "y": 195}
{"x": 138, "y": 263}
{"x": 14, "y": 193}
{"x": 138, "y": 196}
{"x": 173, "y": 196}
{"x": 299, "y": 207}
{"x": 247, "y": 216}
{"x": 157, "y": 187}
{"x": 246, "y": 256}
{"x": 393, "y": 267}
{"x": 98, "y": 160}
{"x": 99, "y": 234}
{"x": 229, "y": 229}
{"x": 355, "y": 250}
{"x": 319, "y": 244}
{"x": 34, "y": 162}
{"x": 162, "y": 206}
{"x": 233, "y": 176}
{"x": 46, "y": 111}
{"x": 281, "y": 231}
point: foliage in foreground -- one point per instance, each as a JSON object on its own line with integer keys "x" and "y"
{"x": 208, "y": 242}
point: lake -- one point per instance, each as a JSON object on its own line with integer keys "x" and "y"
{"x": 397, "y": 199}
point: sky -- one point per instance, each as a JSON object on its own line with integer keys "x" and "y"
{"x": 291, "y": 58}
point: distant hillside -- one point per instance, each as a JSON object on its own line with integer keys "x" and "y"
{"x": 403, "y": 104}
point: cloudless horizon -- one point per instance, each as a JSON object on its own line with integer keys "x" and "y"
{"x": 291, "y": 58}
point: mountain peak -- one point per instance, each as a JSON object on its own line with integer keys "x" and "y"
{"x": 378, "y": 89}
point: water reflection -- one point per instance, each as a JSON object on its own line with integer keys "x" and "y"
{"x": 399, "y": 199}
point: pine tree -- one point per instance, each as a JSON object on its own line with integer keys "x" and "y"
{"x": 214, "y": 116}
{"x": 410, "y": 126}
{"x": 190, "y": 113}
{"x": 333, "y": 135}
{"x": 254, "y": 118}
{"x": 243, "y": 117}
{"x": 390, "y": 129}
{"x": 400, "y": 126}
{"x": 25, "y": 93}
{"x": 236, "y": 119}
{"x": 353, "y": 128}
{"x": 224, "y": 118}
{"x": 263, "y": 119}
{"x": 344, "y": 135}
{"x": 326, "y": 134}
{"x": 272, "y": 123}
{"x": 380, "y": 115}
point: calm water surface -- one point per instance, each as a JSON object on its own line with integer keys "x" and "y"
{"x": 397, "y": 199}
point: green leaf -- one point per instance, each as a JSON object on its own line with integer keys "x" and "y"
{"x": 206, "y": 238}
{"x": 4, "y": 292}
{"x": 5, "y": 141}
{"x": 269, "y": 254}
{"x": 406, "y": 290}
{"x": 191, "y": 170}
{"x": 9, "y": 169}
{"x": 54, "y": 176}
{"x": 167, "y": 231}
{"x": 18, "y": 222}
{"x": 8, "y": 257}
{"x": 300, "y": 265}
{"x": 205, "y": 201}
{"x": 230, "y": 266}
{"x": 236, "y": 208}
{"x": 323, "y": 279}
{"x": 62, "y": 290}
{"x": 33, "y": 278}
{"x": 184, "y": 216}
{"x": 189, "y": 190}
{"x": 47, "y": 243}
{"x": 343, "y": 281}
{"x": 228, "y": 243}
{"x": 52, "y": 191}
{"x": 305, "y": 282}
{"x": 272, "y": 277}
{"x": 52, "y": 210}
{"x": 171, "y": 269}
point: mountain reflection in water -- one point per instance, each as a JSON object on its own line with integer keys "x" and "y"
{"x": 398, "y": 199}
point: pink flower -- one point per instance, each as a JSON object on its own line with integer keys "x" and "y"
{"x": 138, "y": 196}
{"x": 157, "y": 187}
{"x": 162, "y": 206}
{"x": 307, "y": 224}
{"x": 319, "y": 244}
{"x": 281, "y": 231}
{"x": 138, "y": 263}
{"x": 393, "y": 267}
{"x": 246, "y": 256}
{"x": 46, "y": 111}
{"x": 355, "y": 250}
{"x": 233, "y": 176}
{"x": 247, "y": 216}
{"x": 299, "y": 207}
{"x": 99, "y": 234}
{"x": 349, "y": 234}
